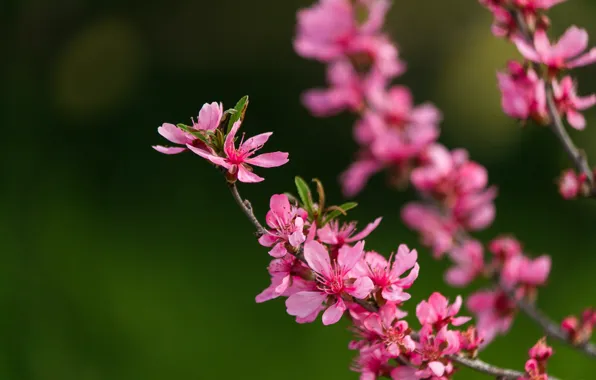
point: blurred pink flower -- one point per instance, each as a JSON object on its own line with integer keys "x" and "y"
{"x": 523, "y": 270}
{"x": 522, "y": 93}
{"x": 569, "y": 103}
{"x": 333, "y": 234}
{"x": 469, "y": 263}
{"x": 494, "y": 313}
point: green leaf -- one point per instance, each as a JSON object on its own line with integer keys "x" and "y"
{"x": 239, "y": 111}
{"x": 304, "y": 193}
{"x": 198, "y": 134}
{"x": 339, "y": 210}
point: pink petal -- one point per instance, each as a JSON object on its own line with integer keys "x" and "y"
{"x": 279, "y": 250}
{"x": 247, "y": 176}
{"x": 395, "y": 294}
{"x": 297, "y": 238}
{"x": 407, "y": 281}
{"x": 573, "y": 42}
{"x": 373, "y": 323}
{"x": 583, "y": 103}
{"x": 229, "y": 143}
{"x": 334, "y": 312}
{"x": 362, "y": 288}
{"x": 269, "y": 160}
{"x": 542, "y": 44}
{"x": 349, "y": 256}
{"x": 209, "y": 156}
{"x": 526, "y": 50}
{"x": 303, "y": 304}
{"x": 210, "y": 116}
{"x": 404, "y": 260}
{"x": 365, "y": 232}
{"x": 458, "y": 321}
{"x": 255, "y": 142}
{"x": 173, "y": 134}
{"x": 327, "y": 235}
{"x": 437, "y": 368}
{"x": 168, "y": 150}
{"x": 268, "y": 240}
{"x": 576, "y": 119}
{"x": 317, "y": 257}
{"x": 584, "y": 60}
{"x": 454, "y": 308}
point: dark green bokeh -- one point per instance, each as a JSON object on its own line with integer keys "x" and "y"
{"x": 121, "y": 263}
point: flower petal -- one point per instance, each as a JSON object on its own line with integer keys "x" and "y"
{"x": 366, "y": 231}
{"x": 247, "y": 176}
{"x": 302, "y": 304}
{"x": 349, "y": 256}
{"x": 269, "y": 160}
{"x": 317, "y": 257}
{"x": 334, "y": 312}
{"x": 168, "y": 149}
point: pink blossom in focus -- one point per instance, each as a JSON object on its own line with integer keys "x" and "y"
{"x": 569, "y": 103}
{"x": 386, "y": 275}
{"x": 494, "y": 313}
{"x": 469, "y": 263}
{"x": 436, "y": 231}
{"x": 208, "y": 120}
{"x": 333, "y": 234}
{"x": 433, "y": 347}
{"x": 285, "y": 274}
{"x": 287, "y": 226}
{"x": 438, "y": 313}
{"x": 334, "y": 282}
{"x": 565, "y": 54}
{"x": 522, "y": 93}
{"x": 238, "y": 160}
{"x": 391, "y": 331}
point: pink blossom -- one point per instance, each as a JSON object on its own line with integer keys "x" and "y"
{"x": 541, "y": 351}
{"x": 570, "y": 184}
{"x": 372, "y": 363}
{"x": 569, "y": 103}
{"x": 565, "y": 54}
{"x": 522, "y": 93}
{"x": 470, "y": 340}
{"x": 208, "y": 120}
{"x": 438, "y": 313}
{"x": 476, "y": 211}
{"x": 504, "y": 25}
{"x": 391, "y": 331}
{"x": 436, "y": 230}
{"x": 523, "y": 270}
{"x": 505, "y": 247}
{"x": 334, "y": 282}
{"x": 337, "y": 236}
{"x": 469, "y": 263}
{"x": 237, "y": 161}
{"x": 286, "y": 279}
{"x": 580, "y": 331}
{"x": 329, "y": 29}
{"x": 397, "y": 106}
{"x": 533, "y": 5}
{"x": 432, "y": 348}
{"x": 287, "y": 226}
{"x": 494, "y": 313}
{"x": 387, "y": 275}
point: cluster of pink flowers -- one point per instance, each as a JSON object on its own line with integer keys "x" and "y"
{"x": 396, "y": 135}
{"x": 207, "y": 138}
{"x": 536, "y": 366}
{"x": 525, "y": 86}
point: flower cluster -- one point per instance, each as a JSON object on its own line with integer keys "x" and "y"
{"x": 396, "y": 135}
{"x": 539, "y": 88}
{"x": 536, "y": 366}
{"x": 207, "y": 137}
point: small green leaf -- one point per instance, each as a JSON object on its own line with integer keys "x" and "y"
{"x": 239, "y": 111}
{"x": 339, "y": 210}
{"x": 198, "y": 134}
{"x": 321, "y": 193}
{"x": 304, "y": 193}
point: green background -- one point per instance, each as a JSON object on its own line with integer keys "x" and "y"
{"x": 121, "y": 263}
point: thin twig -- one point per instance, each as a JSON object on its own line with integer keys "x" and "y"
{"x": 247, "y": 209}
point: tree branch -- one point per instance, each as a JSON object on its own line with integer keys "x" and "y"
{"x": 247, "y": 209}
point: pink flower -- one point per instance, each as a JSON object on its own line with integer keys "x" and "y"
{"x": 334, "y": 235}
{"x": 494, "y": 313}
{"x": 432, "y": 348}
{"x": 372, "y": 363}
{"x": 209, "y": 118}
{"x": 286, "y": 278}
{"x": 569, "y": 103}
{"x": 287, "y": 226}
{"x": 570, "y": 184}
{"x": 469, "y": 263}
{"x": 523, "y": 270}
{"x": 391, "y": 331}
{"x": 534, "y": 371}
{"x": 565, "y": 54}
{"x": 438, "y": 313}
{"x": 533, "y": 5}
{"x": 237, "y": 161}
{"x": 476, "y": 211}
{"x": 541, "y": 351}
{"x": 387, "y": 276}
{"x": 523, "y": 93}
{"x": 334, "y": 282}
{"x": 505, "y": 247}
{"x": 329, "y": 29}
{"x": 470, "y": 340}
{"x": 436, "y": 230}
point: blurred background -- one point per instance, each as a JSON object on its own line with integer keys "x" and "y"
{"x": 121, "y": 263}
